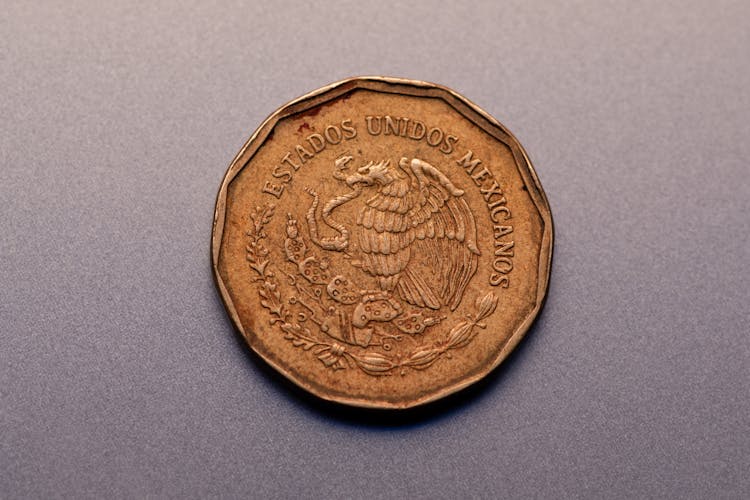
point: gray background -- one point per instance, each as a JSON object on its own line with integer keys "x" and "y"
{"x": 120, "y": 374}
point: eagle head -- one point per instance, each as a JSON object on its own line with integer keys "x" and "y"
{"x": 372, "y": 173}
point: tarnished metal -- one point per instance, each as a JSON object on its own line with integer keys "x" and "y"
{"x": 382, "y": 242}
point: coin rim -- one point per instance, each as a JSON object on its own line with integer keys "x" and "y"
{"x": 402, "y": 86}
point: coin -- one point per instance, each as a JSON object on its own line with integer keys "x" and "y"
{"x": 382, "y": 242}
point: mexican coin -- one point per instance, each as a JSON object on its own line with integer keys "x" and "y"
{"x": 382, "y": 242}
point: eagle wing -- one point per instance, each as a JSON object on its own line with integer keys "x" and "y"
{"x": 425, "y": 216}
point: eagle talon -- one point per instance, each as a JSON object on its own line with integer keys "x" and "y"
{"x": 370, "y": 295}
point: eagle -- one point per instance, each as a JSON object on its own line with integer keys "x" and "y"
{"x": 415, "y": 212}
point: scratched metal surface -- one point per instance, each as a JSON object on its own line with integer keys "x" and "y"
{"x": 120, "y": 375}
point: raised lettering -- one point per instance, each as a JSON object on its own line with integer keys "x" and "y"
{"x": 504, "y": 248}
{"x": 349, "y": 131}
{"x": 448, "y": 144}
{"x": 498, "y": 209}
{"x": 479, "y": 176}
{"x": 285, "y": 175}
{"x": 467, "y": 163}
{"x": 405, "y": 122}
{"x": 500, "y": 231}
{"x": 499, "y": 280}
{"x": 391, "y": 126}
{"x": 502, "y": 265}
{"x": 494, "y": 189}
{"x": 333, "y": 134}
{"x": 273, "y": 189}
{"x": 433, "y": 139}
{"x": 288, "y": 159}
{"x": 317, "y": 142}
{"x": 302, "y": 153}
{"x": 417, "y": 133}
{"x": 370, "y": 127}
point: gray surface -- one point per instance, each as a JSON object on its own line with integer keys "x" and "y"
{"x": 119, "y": 372}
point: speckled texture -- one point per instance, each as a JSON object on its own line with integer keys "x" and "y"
{"x": 120, "y": 375}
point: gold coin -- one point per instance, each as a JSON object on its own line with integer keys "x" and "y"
{"x": 382, "y": 242}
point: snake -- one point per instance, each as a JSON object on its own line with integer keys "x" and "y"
{"x": 341, "y": 240}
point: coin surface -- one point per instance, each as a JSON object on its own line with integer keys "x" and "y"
{"x": 382, "y": 242}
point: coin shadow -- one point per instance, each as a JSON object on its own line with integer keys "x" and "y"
{"x": 376, "y": 419}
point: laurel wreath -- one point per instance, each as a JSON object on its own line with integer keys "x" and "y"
{"x": 334, "y": 355}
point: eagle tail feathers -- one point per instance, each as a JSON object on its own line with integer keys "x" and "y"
{"x": 414, "y": 290}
